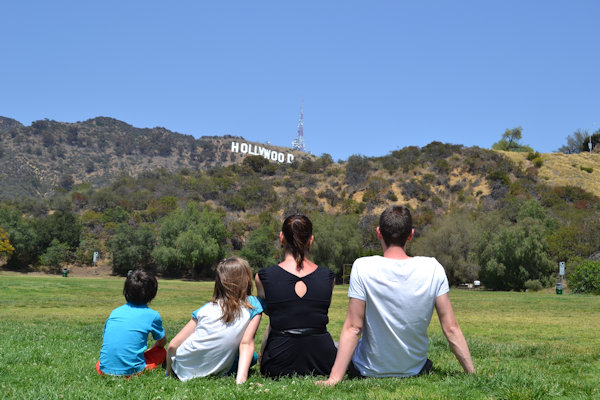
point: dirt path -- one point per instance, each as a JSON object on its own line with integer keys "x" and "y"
{"x": 102, "y": 270}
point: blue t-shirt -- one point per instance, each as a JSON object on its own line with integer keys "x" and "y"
{"x": 126, "y": 337}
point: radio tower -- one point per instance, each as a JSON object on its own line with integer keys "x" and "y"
{"x": 298, "y": 143}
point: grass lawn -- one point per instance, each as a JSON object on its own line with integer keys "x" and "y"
{"x": 524, "y": 346}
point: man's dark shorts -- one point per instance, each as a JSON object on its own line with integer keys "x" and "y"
{"x": 354, "y": 373}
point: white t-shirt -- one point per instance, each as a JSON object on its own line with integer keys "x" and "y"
{"x": 214, "y": 345}
{"x": 400, "y": 297}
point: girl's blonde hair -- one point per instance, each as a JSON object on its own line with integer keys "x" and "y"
{"x": 232, "y": 287}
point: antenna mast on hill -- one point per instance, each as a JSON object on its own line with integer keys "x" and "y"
{"x": 298, "y": 143}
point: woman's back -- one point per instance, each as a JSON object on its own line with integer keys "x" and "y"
{"x": 287, "y": 309}
{"x": 299, "y": 342}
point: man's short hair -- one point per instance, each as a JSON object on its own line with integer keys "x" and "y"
{"x": 140, "y": 287}
{"x": 395, "y": 225}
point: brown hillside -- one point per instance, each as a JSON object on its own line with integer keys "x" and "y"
{"x": 565, "y": 169}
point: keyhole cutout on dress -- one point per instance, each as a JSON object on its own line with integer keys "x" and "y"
{"x": 300, "y": 289}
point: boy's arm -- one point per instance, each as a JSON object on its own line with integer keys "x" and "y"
{"x": 453, "y": 333}
{"x": 247, "y": 350}
{"x": 348, "y": 341}
{"x": 183, "y": 334}
{"x": 161, "y": 342}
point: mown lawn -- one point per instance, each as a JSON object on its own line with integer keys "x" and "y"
{"x": 524, "y": 346}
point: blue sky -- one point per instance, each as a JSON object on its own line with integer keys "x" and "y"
{"x": 374, "y": 76}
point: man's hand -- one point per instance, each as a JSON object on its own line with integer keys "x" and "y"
{"x": 328, "y": 382}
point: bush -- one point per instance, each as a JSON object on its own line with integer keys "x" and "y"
{"x": 357, "y": 168}
{"x": 586, "y": 278}
{"x": 534, "y": 285}
{"x": 589, "y": 170}
{"x": 538, "y": 162}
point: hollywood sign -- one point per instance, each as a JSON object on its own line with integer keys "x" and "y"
{"x": 254, "y": 150}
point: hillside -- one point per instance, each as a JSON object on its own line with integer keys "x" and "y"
{"x": 152, "y": 198}
{"x": 48, "y": 155}
{"x": 565, "y": 169}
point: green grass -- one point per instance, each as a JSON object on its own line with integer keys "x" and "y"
{"x": 524, "y": 346}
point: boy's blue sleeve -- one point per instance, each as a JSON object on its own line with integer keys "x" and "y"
{"x": 158, "y": 332}
{"x": 257, "y": 304}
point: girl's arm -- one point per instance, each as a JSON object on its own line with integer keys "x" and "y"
{"x": 260, "y": 292}
{"x": 183, "y": 334}
{"x": 247, "y": 350}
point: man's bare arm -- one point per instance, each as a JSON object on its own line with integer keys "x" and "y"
{"x": 453, "y": 333}
{"x": 348, "y": 341}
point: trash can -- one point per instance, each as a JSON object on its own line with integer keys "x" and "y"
{"x": 65, "y": 272}
{"x": 558, "y": 287}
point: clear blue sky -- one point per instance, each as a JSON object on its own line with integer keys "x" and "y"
{"x": 374, "y": 75}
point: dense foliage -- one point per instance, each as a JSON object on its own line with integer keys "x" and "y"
{"x": 481, "y": 215}
{"x": 585, "y": 278}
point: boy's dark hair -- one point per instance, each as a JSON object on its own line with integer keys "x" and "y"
{"x": 140, "y": 287}
{"x": 395, "y": 225}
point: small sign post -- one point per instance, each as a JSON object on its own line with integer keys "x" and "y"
{"x": 95, "y": 260}
{"x": 561, "y": 272}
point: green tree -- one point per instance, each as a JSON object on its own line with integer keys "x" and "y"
{"x": 63, "y": 226}
{"x": 256, "y": 163}
{"x": 131, "y": 248}
{"x": 451, "y": 240}
{"x": 357, "y": 168}
{"x": 261, "y": 247}
{"x": 56, "y": 254}
{"x": 585, "y": 278}
{"x": 6, "y": 249}
{"x": 513, "y": 136}
{"x": 22, "y": 236}
{"x": 192, "y": 241}
{"x": 510, "y": 141}
{"x": 510, "y": 255}
{"x": 337, "y": 241}
{"x": 575, "y": 142}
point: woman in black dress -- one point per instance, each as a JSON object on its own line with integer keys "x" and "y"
{"x": 298, "y": 295}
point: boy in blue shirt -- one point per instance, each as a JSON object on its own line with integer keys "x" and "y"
{"x": 126, "y": 330}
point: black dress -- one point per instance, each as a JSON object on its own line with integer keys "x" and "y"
{"x": 286, "y": 352}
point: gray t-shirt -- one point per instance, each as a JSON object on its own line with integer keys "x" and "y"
{"x": 400, "y": 297}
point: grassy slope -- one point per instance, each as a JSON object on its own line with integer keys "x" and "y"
{"x": 524, "y": 345}
{"x": 565, "y": 169}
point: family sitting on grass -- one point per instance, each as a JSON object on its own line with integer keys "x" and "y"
{"x": 385, "y": 333}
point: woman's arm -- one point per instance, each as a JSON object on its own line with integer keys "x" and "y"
{"x": 247, "y": 350}
{"x": 183, "y": 334}
{"x": 260, "y": 290}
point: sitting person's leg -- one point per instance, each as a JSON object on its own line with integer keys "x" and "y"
{"x": 98, "y": 368}
{"x": 155, "y": 357}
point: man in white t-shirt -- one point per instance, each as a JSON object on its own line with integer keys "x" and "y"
{"x": 391, "y": 304}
